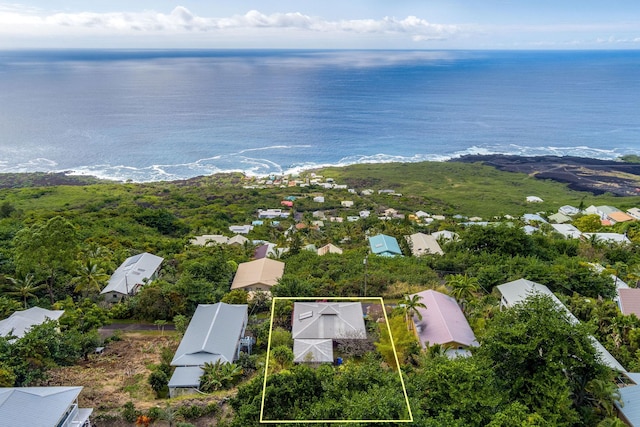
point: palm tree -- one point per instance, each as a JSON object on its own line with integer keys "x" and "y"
{"x": 603, "y": 395}
{"x": 411, "y": 303}
{"x": 24, "y": 288}
{"x": 90, "y": 278}
{"x": 463, "y": 287}
{"x": 218, "y": 375}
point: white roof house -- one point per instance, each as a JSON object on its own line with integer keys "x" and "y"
{"x": 132, "y": 274}
{"x": 534, "y": 199}
{"x": 42, "y": 407}
{"x": 568, "y": 210}
{"x": 213, "y": 334}
{"x": 634, "y": 212}
{"x": 20, "y": 322}
{"x": 423, "y": 244}
{"x": 608, "y": 237}
{"x": 241, "y": 229}
{"x": 518, "y": 291}
{"x": 445, "y": 235}
{"x": 569, "y": 231}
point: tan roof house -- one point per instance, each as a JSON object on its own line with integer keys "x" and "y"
{"x": 620, "y": 217}
{"x": 329, "y": 248}
{"x": 423, "y": 244}
{"x": 237, "y": 240}
{"x": 260, "y": 274}
{"x": 209, "y": 239}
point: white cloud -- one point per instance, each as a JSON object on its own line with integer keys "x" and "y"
{"x": 17, "y": 21}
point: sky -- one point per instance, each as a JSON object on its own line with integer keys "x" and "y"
{"x": 322, "y": 24}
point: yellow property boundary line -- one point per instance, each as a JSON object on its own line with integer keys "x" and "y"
{"x": 395, "y": 355}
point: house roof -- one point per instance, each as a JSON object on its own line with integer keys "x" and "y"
{"x": 133, "y": 271}
{"x": 209, "y": 239}
{"x": 527, "y": 218}
{"x": 238, "y": 239}
{"x": 327, "y": 320}
{"x": 313, "y": 350}
{"x": 442, "y": 321}
{"x": 186, "y": 376}
{"x": 629, "y": 301}
{"x": 384, "y": 245}
{"x": 422, "y": 244}
{"x": 619, "y": 216}
{"x": 445, "y": 234}
{"x": 629, "y": 406}
{"x": 608, "y": 237}
{"x": 212, "y": 334}
{"x": 263, "y": 250}
{"x": 38, "y": 406}
{"x": 329, "y": 248}
{"x": 519, "y": 290}
{"x": 567, "y": 230}
{"x": 21, "y": 321}
{"x": 559, "y": 218}
{"x": 264, "y": 271}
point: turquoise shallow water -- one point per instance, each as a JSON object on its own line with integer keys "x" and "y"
{"x": 154, "y": 115}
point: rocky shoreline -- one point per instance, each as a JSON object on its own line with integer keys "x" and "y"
{"x": 581, "y": 174}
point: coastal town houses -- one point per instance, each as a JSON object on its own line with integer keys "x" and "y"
{"x": 442, "y": 322}
{"x": 20, "y": 322}
{"x": 132, "y": 274}
{"x": 42, "y": 407}
{"x": 316, "y": 325}
{"x": 214, "y": 334}
{"x": 258, "y": 275}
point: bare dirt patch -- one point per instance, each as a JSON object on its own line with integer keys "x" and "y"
{"x": 119, "y": 375}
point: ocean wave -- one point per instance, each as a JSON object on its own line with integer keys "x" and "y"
{"x": 253, "y": 166}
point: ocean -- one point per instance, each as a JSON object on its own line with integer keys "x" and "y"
{"x": 150, "y": 115}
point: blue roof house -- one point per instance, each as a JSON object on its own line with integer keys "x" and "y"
{"x": 384, "y": 245}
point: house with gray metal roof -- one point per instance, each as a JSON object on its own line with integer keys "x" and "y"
{"x": 327, "y": 320}
{"x": 42, "y": 407}
{"x": 213, "y": 334}
{"x": 20, "y": 322}
{"x": 629, "y": 405}
{"x": 132, "y": 274}
{"x": 518, "y": 291}
{"x": 315, "y": 325}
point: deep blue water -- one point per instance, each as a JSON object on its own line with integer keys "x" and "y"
{"x": 154, "y": 115}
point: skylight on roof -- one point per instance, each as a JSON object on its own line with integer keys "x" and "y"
{"x": 305, "y": 315}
